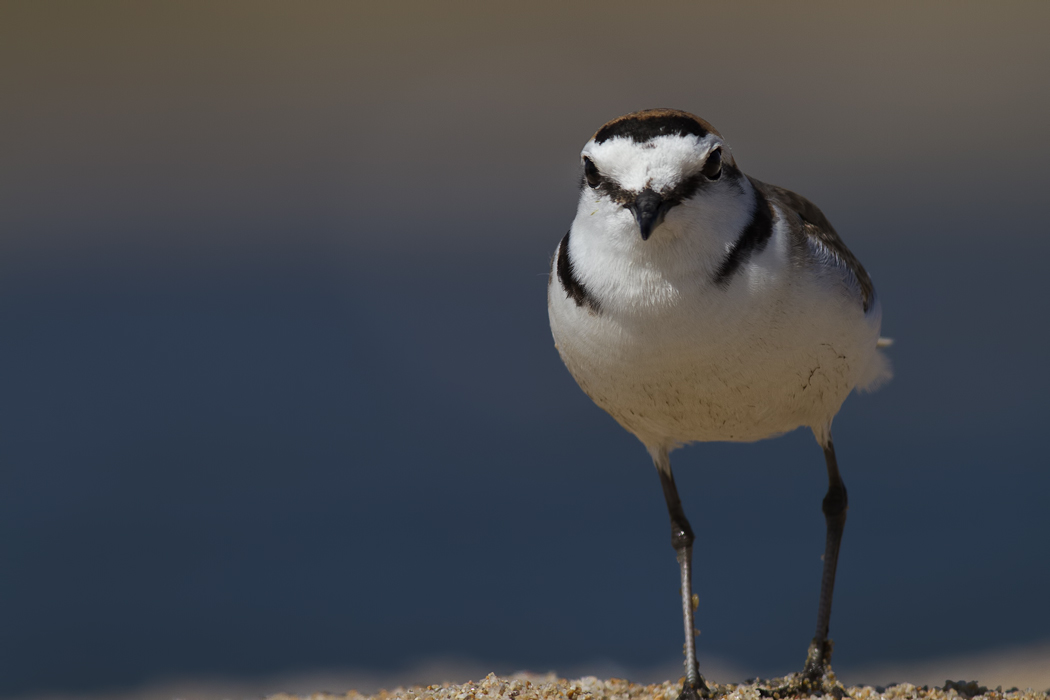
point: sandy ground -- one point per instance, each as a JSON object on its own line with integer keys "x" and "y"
{"x": 1027, "y": 667}
{"x": 449, "y": 679}
{"x": 534, "y": 687}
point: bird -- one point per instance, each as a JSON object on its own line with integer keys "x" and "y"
{"x": 695, "y": 303}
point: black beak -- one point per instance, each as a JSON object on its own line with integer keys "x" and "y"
{"x": 649, "y": 209}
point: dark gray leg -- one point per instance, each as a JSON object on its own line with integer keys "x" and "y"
{"x": 818, "y": 659}
{"x": 682, "y": 541}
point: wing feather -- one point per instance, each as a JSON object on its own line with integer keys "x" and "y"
{"x": 815, "y": 231}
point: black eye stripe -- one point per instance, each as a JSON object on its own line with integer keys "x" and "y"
{"x": 616, "y": 193}
{"x": 686, "y": 188}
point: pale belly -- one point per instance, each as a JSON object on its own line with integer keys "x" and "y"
{"x": 676, "y": 387}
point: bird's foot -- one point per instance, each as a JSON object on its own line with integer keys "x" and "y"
{"x": 818, "y": 660}
{"x": 697, "y": 690}
{"x": 816, "y": 683}
{"x": 816, "y": 679}
{"x": 800, "y": 685}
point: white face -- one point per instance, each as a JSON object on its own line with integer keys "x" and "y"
{"x": 661, "y": 164}
{"x": 664, "y": 187}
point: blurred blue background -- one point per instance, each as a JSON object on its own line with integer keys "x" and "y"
{"x": 277, "y": 391}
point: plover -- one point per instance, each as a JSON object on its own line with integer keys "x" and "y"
{"x": 695, "y": 303}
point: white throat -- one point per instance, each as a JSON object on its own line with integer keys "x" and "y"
{"x": 610, "y": 257}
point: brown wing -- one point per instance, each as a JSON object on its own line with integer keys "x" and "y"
{"x": 812, "y": 224}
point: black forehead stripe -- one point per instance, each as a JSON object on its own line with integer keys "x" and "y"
{"x": 643, "y": 128}
{"x": 574, "y": 289}
{"x": 753, "y": 240}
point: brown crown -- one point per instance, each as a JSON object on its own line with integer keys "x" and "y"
{"x": 647, "y": 124}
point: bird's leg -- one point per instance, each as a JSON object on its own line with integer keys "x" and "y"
{"x": 682, "y": 541}
{"x": 818, "y": 659}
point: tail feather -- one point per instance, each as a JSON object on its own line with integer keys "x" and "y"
{"x": 880, "y": 371}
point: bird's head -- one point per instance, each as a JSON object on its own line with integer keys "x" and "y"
{"x": 639, "y": 169}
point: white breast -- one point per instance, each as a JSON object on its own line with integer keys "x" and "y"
{"x": 675, "y": 358}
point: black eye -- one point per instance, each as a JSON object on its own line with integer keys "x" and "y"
{"x": 590, "y": 171}
{"x": 712, "y": 169}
